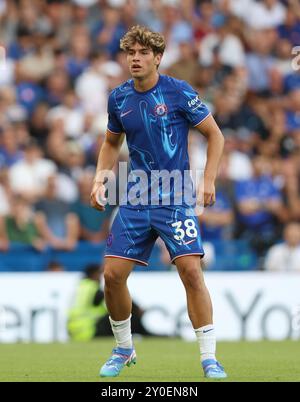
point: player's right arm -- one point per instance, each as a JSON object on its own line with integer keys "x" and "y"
{"x": 108, "y": 156}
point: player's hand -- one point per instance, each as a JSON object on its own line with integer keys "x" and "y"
{"x": 98, "y": 196}
{"x": 207, "y": 193}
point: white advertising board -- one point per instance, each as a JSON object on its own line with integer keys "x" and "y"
{"x": 252, "y": 306}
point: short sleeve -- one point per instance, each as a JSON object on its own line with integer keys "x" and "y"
{"x": 191, "y": 106}
{"x": 114, "y": 124}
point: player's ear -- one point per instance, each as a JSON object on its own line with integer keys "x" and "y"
{"x": 158, "y": 59}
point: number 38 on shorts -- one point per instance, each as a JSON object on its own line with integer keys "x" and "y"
{"x": 184, "y": 229}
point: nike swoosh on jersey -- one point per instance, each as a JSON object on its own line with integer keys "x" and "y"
{"x": 189, "y": 242}
{"x": 126, "y": 113}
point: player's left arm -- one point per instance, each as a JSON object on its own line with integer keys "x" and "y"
{"x": 215, "y": 144}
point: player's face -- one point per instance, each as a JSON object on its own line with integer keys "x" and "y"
{"x": 142, "y": 62}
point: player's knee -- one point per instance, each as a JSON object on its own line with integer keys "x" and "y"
{"x": 191, "y": 279}
{"x": 113, "y": 278}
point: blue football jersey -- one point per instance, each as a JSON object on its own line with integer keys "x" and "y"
{"x": 156, "y": 123}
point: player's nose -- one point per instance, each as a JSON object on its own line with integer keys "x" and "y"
{"x": 136, "y": 57}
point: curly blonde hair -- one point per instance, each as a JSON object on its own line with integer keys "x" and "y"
{"x": 145, "y": 37}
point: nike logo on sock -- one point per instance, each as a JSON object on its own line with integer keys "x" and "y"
{"x": 208, "y": 330}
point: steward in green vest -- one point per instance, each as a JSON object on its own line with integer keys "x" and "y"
{"x": 89, "y": 307}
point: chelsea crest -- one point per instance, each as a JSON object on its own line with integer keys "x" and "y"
{"x": 161, "y": 110}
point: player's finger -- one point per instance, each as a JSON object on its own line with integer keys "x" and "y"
{"x": 210, "y": 200}
{"x": 97, "y": 206}
{"x": 207, "y": 199}
{"x": 213, "y": 200}
{"x": 95, "y": 202}
{"x": 100, "y": 208}
{"x": 100, "y": 197}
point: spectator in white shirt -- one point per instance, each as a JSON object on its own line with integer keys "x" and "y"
{"x": 266, "y": 14}
{"x": 286, "y": 256}
{"x": 28, "y": 177}
{"x": 91, "y": 87}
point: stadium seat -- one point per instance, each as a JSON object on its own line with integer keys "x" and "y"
{"x": 234, "y": 255}
{"x": 22, "y": 258}
{"x": 84, "y": 254}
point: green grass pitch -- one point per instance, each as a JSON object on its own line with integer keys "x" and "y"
{"x": 162, "y": 360}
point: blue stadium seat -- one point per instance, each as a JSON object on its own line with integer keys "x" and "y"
{"x": 234, "y": 255}
{"x": 84, "y": 254}
{"x": 23, "y": 258}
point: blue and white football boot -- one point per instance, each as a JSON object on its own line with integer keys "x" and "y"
{"x": 213, "y": 369}
{"x": 119, "y": 358}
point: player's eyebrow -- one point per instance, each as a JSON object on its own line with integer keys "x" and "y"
{"x": 140, "y": 50}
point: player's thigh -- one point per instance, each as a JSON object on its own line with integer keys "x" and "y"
{"x": 186, "y": 262}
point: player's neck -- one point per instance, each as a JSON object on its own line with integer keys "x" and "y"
{"x": 144, "y": 84}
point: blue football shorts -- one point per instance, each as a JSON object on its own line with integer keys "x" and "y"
{"x": 134, "y": 232}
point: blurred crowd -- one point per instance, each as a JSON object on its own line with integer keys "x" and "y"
{"x": 60, "y": 59}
